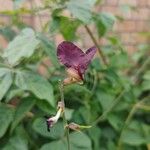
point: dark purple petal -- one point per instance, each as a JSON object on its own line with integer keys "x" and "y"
{"x": 72, "y": 56}
{"x": 90, "y": 53}
{"x": 69, "y": 54}
{"x": 49, "y": 124}
{"x": 87, "y": 59}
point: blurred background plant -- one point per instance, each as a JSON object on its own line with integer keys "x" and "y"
{"x": 114, "y": 98}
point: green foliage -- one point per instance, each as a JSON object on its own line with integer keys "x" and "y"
{"x": 5, "y": 81}
{"x": 23, "y": 46}
{"x": 68, "y": 28}
{"x": 114, "y": 98}
{"x": 49, "y": 48}
{"x": 76, "y": 143}
{"x": 104, "y": 22}
{"x": 6, "y": 117}
{"x": 7, "y": 33}
{"x": 36, "y": 84}
{"x": 81, "y": 9}
{"x": 16, "y": 143}
{"x": 25, "y": 106}
{"x": 57, "y": 131}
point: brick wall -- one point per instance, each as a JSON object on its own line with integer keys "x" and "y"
{"x": 135, "y": 21}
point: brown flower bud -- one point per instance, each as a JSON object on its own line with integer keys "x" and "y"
{"x": 73, "y": 76}
{"x": 76, "y": 127}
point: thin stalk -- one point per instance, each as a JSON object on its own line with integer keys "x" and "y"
{"x": 96, "y": 44}
{"x": 140, "y": 70}
{"x": 104, "y": 115}
{"x": 117, "y": 100}
{"x": 130, "y": 115}
{"x": 61, "y": 88}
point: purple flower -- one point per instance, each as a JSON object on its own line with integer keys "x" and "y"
{"x": 75, "y": 59}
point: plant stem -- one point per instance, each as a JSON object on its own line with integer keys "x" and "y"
{"x": 61, "y": 87}
{"x": 104, "y": 115}
{"x": 140, "y": 70}
{"x": 130, "y": 115}
{"x": 116, "y": 101}
{"x": 96, "y": 44}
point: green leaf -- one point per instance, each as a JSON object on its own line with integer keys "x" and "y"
{"x": 68, "y": 28}
{"x": 16, "y": 143}
{"x": 135, "y": 134}
{"x": 78, "y": 141}
{"x": 57, "y": 131}
{"x": 77, "y": 88}
{"x": 146, "y": 85}
{"x": 6, "y": 116}
{"x": 49, "y": 48}
{"x": 68, "y": 113}
{"x": 95, "y": 134}
{"x": 105, "y": 99}
{"x": 132, "y": 137}
{"x": 54, "y": 24}
{"x": 57, "y": 145}
{"x": 81, "y": 9}
{"x": 8, "y": 33}
{"x": 13, "y": 92}
{"x": 23, "y": 46}
{"x": 116, "y": 121}
{"x": 45, "y": 107}
{"x": 147, "y": 75}
{"x": 119, "y": 60}
{"x": 5, "y": 81}
{"x": 24, "y": 107}
{"x": 35, "y": 83}
{"x": 104, "y": 22}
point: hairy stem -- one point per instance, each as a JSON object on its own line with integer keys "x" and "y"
{"x": 96, "y": 44}
{"x": 61, "y": 88}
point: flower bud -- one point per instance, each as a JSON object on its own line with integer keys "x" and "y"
{"x": 73, "y": 76}
{"x": 76, "y": 127}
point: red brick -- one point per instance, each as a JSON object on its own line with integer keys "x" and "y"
{"x": 111, "y": 9}
{"x": 139, "y": 38}
{"x": 103, "y": 41}
{"x": 131, "y": 49}
{"x": 111, "y": 2}
{"x": 127, "y": 38}
{"x": 128, "y": 2}
{"x": 142, "y": 26}
{"x": 148, "y": 2}
{"x": 3, "y": 42}
{"x": 6, "y": 5}
{"x": 142, "y": 3}
{"x": 144, "y": 13}
{"x": 141, "y": 14}
{"x": 127, "y": 26}
{"x": 4, "y": 20}
{"x": 127, "y": 15}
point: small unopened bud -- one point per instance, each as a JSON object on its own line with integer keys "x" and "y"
{"x": 73, "y": 76}
{"x": 76, "y": 127}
